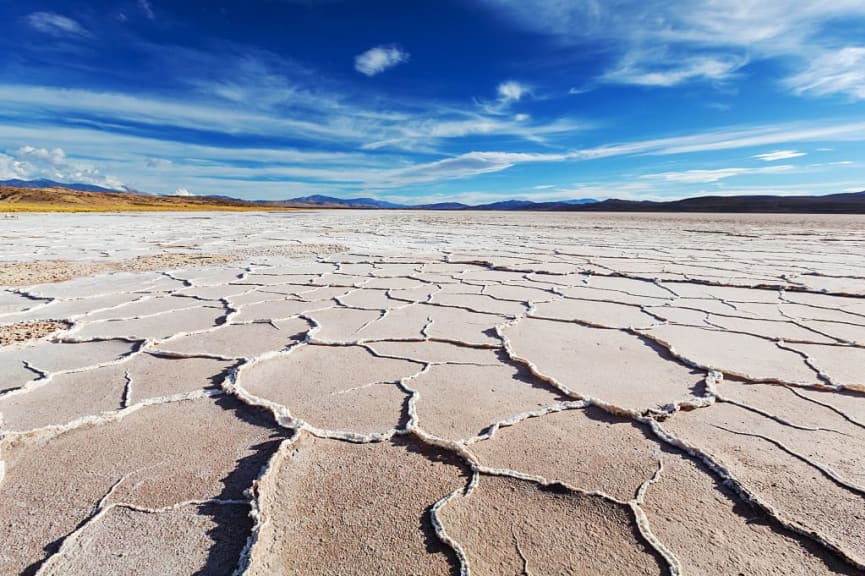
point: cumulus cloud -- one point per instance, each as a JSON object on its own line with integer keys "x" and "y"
{"x": 12, "y": 168}
{"x": 377, "y": 60}
{"x": 778, "y": 155}
{"x": 55, "y": 24}
{"x": 55, "y": 156}
{"x": 29, "y": 163}
{"x": 182, "y": 191}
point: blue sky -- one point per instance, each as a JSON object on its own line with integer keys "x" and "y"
{"x": 422, "y": 101}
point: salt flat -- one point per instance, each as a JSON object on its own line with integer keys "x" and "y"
{"x": 349, "y": 392}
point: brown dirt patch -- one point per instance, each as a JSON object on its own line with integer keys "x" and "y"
{"x": 24, "y": 331}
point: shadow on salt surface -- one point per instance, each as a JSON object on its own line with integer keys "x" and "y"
{"x": 225, "y": 553}
{"x": 708, "y": 526}
{"x": 431, "y": 541}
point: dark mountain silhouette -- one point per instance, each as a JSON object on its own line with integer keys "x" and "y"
{"x": 849, "y": 203}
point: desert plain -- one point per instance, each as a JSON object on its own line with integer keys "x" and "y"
{"x": 396, "y": 392}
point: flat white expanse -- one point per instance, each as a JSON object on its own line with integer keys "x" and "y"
{"x": 350, "y": 392}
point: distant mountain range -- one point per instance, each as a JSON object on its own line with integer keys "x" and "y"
{"x": 318, "y": 201}
{"x": 847, "y": 203}
{"x": 850, "y": 203}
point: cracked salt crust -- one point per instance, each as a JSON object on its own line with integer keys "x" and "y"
{"x": 555, "y": 532}
{"x": 492, "y": 401}
{"x": 613, "y": 456}
{"x": 339, "y": 388}
{"x": 459, "y": 401}
{"x": 208, "y": 534}
{"x": 331, "y": 506}
{"x": 737, "y": 540}
{"x": 154, "y": 456}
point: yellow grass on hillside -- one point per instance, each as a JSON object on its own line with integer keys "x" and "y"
{"x": 13, "y": 199}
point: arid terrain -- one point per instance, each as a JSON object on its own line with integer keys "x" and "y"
{"x": 419, "y": 393}
{"x": 58, "y": 199}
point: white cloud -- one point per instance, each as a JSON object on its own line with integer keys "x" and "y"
{"x": 507, "y": 93}
{"x": 413, "y": 126}
{"x": 778, "y": 155}
{"x": 158, "y": 163}
{"x": 733, "y": 138}
{"x": 511, "y": 91}
{"x": 707, "y": 39}
{"x": 833, "y": 72}
{"x": 29, "y": 163}
{"x": 12, "y": 168}
{"x": 377, "y": 60}
{"x": 461, "y": 166}
{"x": 183, "y": 192}
{"x": 716, "y": 175}
{"x": 55, "y": 24}
{"x": 54, "y": 156}
{"x": 647, "y": 69}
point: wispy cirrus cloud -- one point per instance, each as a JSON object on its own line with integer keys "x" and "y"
{"x": 714, "y": 175}
{"x": 245, "y": 92}
{"x": 380, "y": 58}
{"x": 55, "y": 24}
{"x": 465, "y": 166}
{"x": 839, "y": 71}
{"x": 779, "y": 155}
{"x": 409, "y": 126}
{"x": 158, "y": 165}
{"x": 670, "y": 42}
{"x": 643, "y": 69}
{"x": 508, "y": 93}
{"x": 734, "y": 138}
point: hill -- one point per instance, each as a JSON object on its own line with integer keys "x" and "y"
{"x": 850, "y": 203}
{"x": 63, "y": 199}
{"x": 45, "y": 183}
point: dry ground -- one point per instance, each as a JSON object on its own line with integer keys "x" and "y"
{"x": 415, "y": 393}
